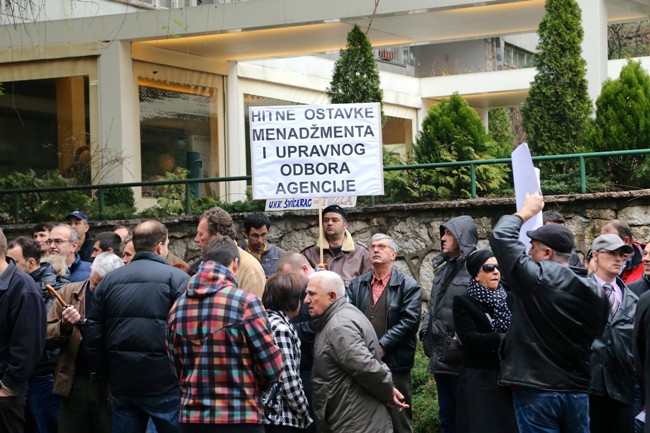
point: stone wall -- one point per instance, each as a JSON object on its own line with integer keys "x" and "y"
{"x": 415, "y": 227}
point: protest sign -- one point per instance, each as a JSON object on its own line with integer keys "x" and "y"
{"x": 308, "y": 203}
{"x": 309, "y": 151}
{"x": 526, "y": 180}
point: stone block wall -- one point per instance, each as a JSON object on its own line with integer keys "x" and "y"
{"x": 415, "y": 227}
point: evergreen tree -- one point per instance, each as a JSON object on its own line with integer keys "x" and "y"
{"x": 623, "y": 123}
{"x": 453, "y": 131}
{"x": 558, "y": 104}
{"x": 500, "y": 133}
{"x": 355, "y": 78}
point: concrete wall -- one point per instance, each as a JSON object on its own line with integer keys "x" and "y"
{"x": 415, "y": 227}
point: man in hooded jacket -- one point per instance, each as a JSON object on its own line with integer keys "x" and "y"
{"x": 458, "y": 238}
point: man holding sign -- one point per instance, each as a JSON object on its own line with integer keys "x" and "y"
{"x": 556, "y": 316}
{"x": 341, "y": 254}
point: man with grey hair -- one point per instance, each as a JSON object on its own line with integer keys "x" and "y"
{"x": 392, "y": 301}
{"x": 64, "y": 241}
{"x": 351, "y": 385}
{"x": 83, "y": 391}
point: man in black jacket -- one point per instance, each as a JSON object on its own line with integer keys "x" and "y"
{"x": 42, "y": 405}
{"x": 392, "y": 301}
{"x": 556, "y": 316}
{"x": 611, "y": 394}
{"x": 458, "y": 238}
{"x": 126, "y": 330}
{"x": 22, "y": 338}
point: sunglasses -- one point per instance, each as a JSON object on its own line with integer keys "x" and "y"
{"x": 489, "y": 268}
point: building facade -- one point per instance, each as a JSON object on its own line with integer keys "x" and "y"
{"x": 130, "y": 90}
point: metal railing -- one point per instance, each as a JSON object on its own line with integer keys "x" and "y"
{"x": 102, "y": 188}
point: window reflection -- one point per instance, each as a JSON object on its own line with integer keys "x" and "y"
{"x": 44, "y": 126}
{"x": 175, "y": 133}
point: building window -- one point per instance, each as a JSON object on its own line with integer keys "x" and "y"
{"x": 517, "y": 58}
{"x": 397, "y": 135}
{"x": 177, "y": 131}
{"x": 257, "y": 101}
{"x": 45, "y": 126}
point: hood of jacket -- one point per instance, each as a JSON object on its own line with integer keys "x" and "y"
{"x": 210, "y": 278}
{"x": 463, "y": 228}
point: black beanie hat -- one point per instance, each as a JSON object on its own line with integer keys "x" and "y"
{"x": 475, "y": 260}
{"x": 336, "y": 209}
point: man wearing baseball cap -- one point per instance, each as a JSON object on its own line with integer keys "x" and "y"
{"x": 556, "y": 316}
{"x": 611, "y": 394}
{"x": 341, "y": 254}
{"x": 79, "y": 220}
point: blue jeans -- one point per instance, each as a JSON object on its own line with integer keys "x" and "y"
{"x": 42, "y": 413}
{"x": 447, "y": 386}
{"x": 550, "y": 411}
{"x": 131, "y": 413}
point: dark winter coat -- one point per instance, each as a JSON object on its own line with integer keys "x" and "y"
{"x": 450, "y": 281}
{"x": 404, "y": 305}
{"x": 556, "y": 316}
{"x": 127, "y": 325}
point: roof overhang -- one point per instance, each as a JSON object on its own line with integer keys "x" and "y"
{"x": 257, "y": 29}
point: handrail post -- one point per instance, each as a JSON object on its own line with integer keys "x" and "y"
{"x": 472, "y": 172}
{"x": 583, "y": 175}
{"x": 188, "y": 199}
{"x": 16, "y": 208}
{"x": 100, "y": 196}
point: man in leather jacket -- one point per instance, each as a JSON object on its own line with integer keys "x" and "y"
{"x": 556, "y": 316}
{"x": 392, "y": 301}
{"x": 611, "y": 395}
{"x": 458, "y": 238}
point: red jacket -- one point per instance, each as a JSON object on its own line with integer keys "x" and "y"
{"x": 634, "y": 270}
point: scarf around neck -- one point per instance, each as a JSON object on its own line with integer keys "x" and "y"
{"x": 495, "y": 299}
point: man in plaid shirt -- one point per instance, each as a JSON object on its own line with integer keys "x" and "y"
{"x": 221, "y": 347}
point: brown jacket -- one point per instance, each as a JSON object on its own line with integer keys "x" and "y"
{"x": 74, "y": 294}
{"x": 353, "y": 259}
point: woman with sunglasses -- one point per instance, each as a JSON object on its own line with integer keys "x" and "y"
{"x": 481, "y": 318}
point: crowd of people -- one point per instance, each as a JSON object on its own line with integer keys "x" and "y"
{"x": 114, "y": 333}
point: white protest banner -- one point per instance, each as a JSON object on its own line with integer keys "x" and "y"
{"x": 309, "y": 151}
{"x": 526, "y": 179}
{"x": 308, "y": 203}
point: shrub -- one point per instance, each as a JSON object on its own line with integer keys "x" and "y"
{"x": 39, "y": 206}
{"x": 425, "y": 396}
{"x": 119, "y": 203}
{"x": 623, "y": 123}
{"x": 452, "y": 131}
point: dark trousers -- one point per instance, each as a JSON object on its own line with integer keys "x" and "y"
{"x": 12, "y": 414}
{"x": 42, "y": 414}
{"x": 447, "y": 386}
{"x": 131, "y": 413}
{"x": 610, "y": 416}
{"x": 87, "y": 408}
{"x": 402, "y": 418}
